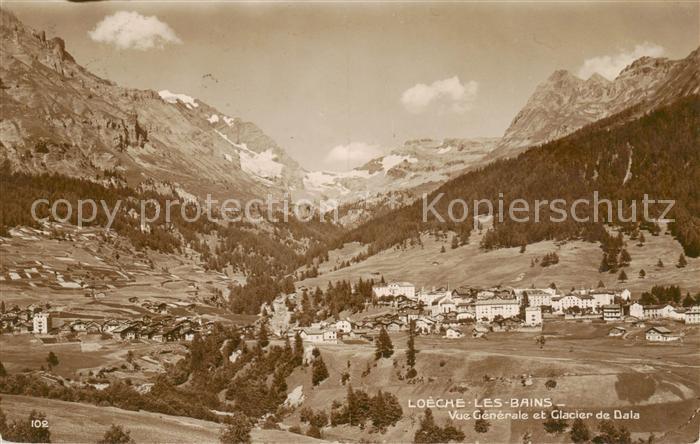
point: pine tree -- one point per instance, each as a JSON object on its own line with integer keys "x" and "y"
{"x": 622, "y": 277}
{"x": 682, "y": 262}
{"x": 384, "y": 347}
{"x": 455, "y": 242}
{"x": 3, "y": 372}
{"x": 625, "y": 258}
{"x": 298, "y": 350}
{"x": 263, "y": 339}
{"x": 481, "y": 425}
{"x": 642, "y": 273}
{"x": 442, "y": 249}
{"x": 660, "y": 263}
{"x": 411, "y": 345}
{"x": 319, "y": 372}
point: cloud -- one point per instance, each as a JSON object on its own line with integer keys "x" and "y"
{"x": 131, "y": 30}
{"x": 352, "y": 154}
{"x": 609, "y": 66}
{"x": 447, "y": 95}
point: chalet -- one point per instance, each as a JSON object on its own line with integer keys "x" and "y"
{"x": 93, "y": 327}
{"x": 78, "y": 325}
{"x": 453, "y": 333}
{"x": 617, "y": 331}
{"x": 188, "y": 334}
{"x": 319, "y": 336}
{"x": 612, "y": 312}
{"x": 424, "y": 325}
{"x": 110, "y": 325}
{"x": 394, "y": 325}
{"x": 660, "y": 334}
{"x": 466, "y": 310}
{"x": 129, "y": 333}
{"x": 343, "y": 325}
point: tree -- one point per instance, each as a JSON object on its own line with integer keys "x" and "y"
{"x": 625, "y": 258}
{"x": 116, "y": 434}
{"x": 411, "y": 345}
{"x": 31, "y": 429}
{"x": 554, "y": 426}
{"x": 660, "y": 263}
{"x": 442, "y": 249}
{"x": 298, "y": 350}
{"x": 384, "y": 347}
{"x": 455, "y": 242}
{"x": 540, "y": 340}
{"x": 622, "y": 277}
{"x": 237, "y": 430}
{"x": 609, "y": 434}
{"x": 481, "y": 425}
{"x": 550, "y": 384}
{"x": 263, "y": 340}
{"x": 52, "y": 360}
{"x": 641, "y": 240}
{"x": 3, "y": 372}
{"x": 130, "y": 356}
{"x": 601, "y": 284}
{"x": 688, "y": 301}
{"x": 319, "y": 372}
{"x": 579, "y": 431}
{"x": 682, "y": 262}
{"x": 642, "y": 274}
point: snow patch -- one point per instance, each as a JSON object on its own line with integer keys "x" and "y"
{"x": 447, "y": 149}
{"x": 172, "y": 97}
{"x": 229, "y": 120}
{"x": 213, "y": 118}
{"x": 390, "y": 161}
{"x": 228, "y": 157}
{"x": 262, "y": 164}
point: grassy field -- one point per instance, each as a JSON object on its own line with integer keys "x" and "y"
{"x": 469, "y": 265}
{"x": 82, "y": 423}
{"x": 595, "y": 373}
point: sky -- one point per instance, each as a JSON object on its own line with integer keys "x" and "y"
{"x": 336, "y": 84}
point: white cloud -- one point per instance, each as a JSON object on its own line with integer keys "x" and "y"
{"x": 131, "y": 30}
{"x": 447, "y": 95}
{"x": 352, "y": 154}
{"x": 609, "y": 66}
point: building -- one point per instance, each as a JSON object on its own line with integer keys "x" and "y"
{"x": 395, "y": 289}
{"x": 444, "y": 304}
{"x": 327, "y": 336}
{"x": 637, "y": 310}
{"x": 612, "y": 312}
{"x": 533, "y": 316}
{"x": 41, "y": 323}
{"x": 488, "y": 309}
{"x": 536, "y": 297}
{"x": 617, "y": 331}
{"x": 343, "y": 326}
{"x": 453, "y": 333}
{"x": 660, "y": 334}
{"x": 692, "y": 316}
{"x": 569, "y": 301}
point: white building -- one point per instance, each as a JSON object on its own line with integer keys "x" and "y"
{"x": 536, "y": 297}
{"x": 562, "y": 303}
{"x": 395, "y": 289}
{"x": 445, "y": 304}
{"x": 637, "y": 310}
{"x": 490, "y": 308}
{"x": 533, "y": 316}
{"x": 41, "y": 323}
{"x": 343, "y": 326}
{"x": 453, "y": 333}
{"x": 612, "y": 312}
{"x": 660, "y": 334}
{"x": 428, "y": 297}
{"x": 319, "y": 336}
{"x": 692, "y": 316}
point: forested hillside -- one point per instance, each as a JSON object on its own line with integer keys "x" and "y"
{"x": 657, "y": 154}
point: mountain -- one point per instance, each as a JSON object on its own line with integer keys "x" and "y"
{"x": 622, "y": 157}
{"x": 564, "y": 103}
{"x": 418, "y": 164}
{"x": 58, "y": 117}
